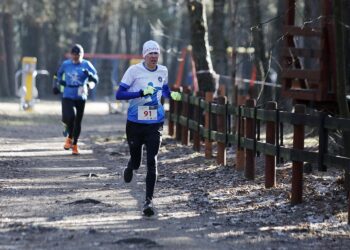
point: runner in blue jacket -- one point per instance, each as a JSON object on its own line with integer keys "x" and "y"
{"x": 76, "y": 75}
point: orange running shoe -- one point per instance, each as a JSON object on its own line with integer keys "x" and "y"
{"x": 68, "y": 144}
{"x": 75, "y": 150}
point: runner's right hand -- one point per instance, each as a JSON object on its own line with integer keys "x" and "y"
{"x": 149, "y": 90}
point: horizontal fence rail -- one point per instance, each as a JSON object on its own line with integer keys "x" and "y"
{"x": 208, "y": 119}
{"x": 330, "y": 123}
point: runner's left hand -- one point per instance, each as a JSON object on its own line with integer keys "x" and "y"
{"x": 176, "y": 96}
{"x": 91, "y": 85}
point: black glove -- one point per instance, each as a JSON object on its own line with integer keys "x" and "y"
{"x": 91, "y": 78}
{"x": 149, "y": 90}
{"x": 55, "y": 85}
{"x": 55, "y": 90}
{"x": 87, "y": 73}
{"x": 63, "y": 83}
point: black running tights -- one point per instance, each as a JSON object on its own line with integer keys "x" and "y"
{"x": 150, "y": 135}
{"x": 72, "y": 115}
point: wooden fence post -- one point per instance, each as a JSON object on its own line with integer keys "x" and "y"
{"x": 348, "y": 209}
{"x": 197, "y": 118}
{"x": 177, "y": 112}
{"x": 221, "y": 125}
{"x": 323, "y": 142}
{"x": 185, "y": 113}
{"x": 170, "y": 121}
{"x": 240, "y": 125}
{"x": 208, "y": 143}
{"x": 249, "y": 170}
{"x": 270, "y": 160}
{"x": 297, "y": 167}
{"x": 222, "y": 90}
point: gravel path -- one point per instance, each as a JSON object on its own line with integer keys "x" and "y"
{"x": 50, "y": 199}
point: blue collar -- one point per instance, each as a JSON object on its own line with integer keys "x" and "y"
{"x": 152, "y": 70}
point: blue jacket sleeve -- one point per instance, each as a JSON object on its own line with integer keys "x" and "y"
{"x": 92, "y": 73}
{"x": 123, "y": 94}
{"x": 60, "y": 75}
{"x": 166, "y": 91}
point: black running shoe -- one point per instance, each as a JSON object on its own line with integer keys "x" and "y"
{"x": 148, "y": 208}
{"x": 127, "y": 175}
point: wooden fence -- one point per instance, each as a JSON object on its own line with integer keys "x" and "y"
{"x": 211, "y": 120}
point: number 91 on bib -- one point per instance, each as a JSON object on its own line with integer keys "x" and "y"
{"x": 147, "y": 113}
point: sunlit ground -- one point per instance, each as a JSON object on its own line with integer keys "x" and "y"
{"x": 10, "y": 107}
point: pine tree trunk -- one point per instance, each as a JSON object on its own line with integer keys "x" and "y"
{"x": 233, "y": 90}
{"x": 42, "y": 81}
{"x": 127, "y": 24}
{"x": 347, "y": 39}
{"x": 311, "y": 13}
{"x": 258, "y": 39}
{"x": 341, "y": 79}
{"x": 260, "y": 59}
{"x": 218, "y": 41}
{"x": 84, "y": 20}
{"x": 4, "y": 85}
{"x": 278, "y": 27}
{"x": 9, "y": 41}
{"x": 105, "y": 66}
{"x": 200, "y": 46}
{"x": 181, "y": 32}
{"x": 165, "y": 40}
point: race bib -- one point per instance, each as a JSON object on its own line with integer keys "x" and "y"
{"x": 147, "y": 113}
{"x": 82, "y": 90}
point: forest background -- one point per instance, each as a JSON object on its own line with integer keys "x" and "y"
{"x": 46, "y": 29}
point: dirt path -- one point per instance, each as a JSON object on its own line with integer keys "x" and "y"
{"x": 50, "y": 199}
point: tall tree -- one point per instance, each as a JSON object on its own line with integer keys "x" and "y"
{"x": 347, "y": 39}
{"x": 312, "y": 12}
{"x": 8, "y": 40}
{"x": 338, "y": 8}
{"x": 260, "y": 59}
{"x": 340, "y": 61}
{"x": 200, "y": 45}
{"x": 218, "y": 39}
{"x": 4, "y": 85}
{"x": 233, "y": 7}
{"x": 232, "y": 90}
{"x": 180, "y": 38}
{"x": 276, "y": 47}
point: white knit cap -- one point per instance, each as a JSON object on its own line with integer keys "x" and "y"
{"x": 149, "y": 47}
